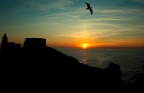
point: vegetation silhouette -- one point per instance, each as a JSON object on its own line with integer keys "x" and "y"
{"x": 38, "y": 66}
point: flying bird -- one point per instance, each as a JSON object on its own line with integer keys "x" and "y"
{"x": 89, "y": 7}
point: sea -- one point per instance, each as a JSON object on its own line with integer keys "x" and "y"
{"x": 131, "y": 61}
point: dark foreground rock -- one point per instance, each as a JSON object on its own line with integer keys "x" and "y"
{"x": 47, "y": 68}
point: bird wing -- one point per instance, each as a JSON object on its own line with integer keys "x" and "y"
{"x": 91, "y": 11}
{"x": 88, "y": 5}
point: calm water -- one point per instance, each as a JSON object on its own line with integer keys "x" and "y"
{"x": 130, "y": 60}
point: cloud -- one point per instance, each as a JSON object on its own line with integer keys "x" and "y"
{"x": 43, "y": 5}
{"x": 139, "y": 1}
{"x": 120, "y": 11}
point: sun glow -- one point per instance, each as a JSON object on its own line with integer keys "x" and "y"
{"x": 85, "y": 45}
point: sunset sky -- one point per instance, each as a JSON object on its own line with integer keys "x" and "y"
{"x": 66, "y": 23}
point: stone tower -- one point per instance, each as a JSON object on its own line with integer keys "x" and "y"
{"x": 4, "y": 41}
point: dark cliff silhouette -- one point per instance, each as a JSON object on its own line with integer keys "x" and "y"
{"x": 36, "y": 66}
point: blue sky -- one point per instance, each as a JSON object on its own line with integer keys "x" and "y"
{"x": 67, "y": 23}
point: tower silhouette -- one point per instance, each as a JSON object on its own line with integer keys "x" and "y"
{"x": 8, "y": 46}
{"x": 4, "y": 42}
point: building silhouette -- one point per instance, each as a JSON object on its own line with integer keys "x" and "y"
{"x": 35, "y": 43}
{"x": 4, "y": 41}
{"x": 7, "y": 46}
{"x": 31, "y": 43}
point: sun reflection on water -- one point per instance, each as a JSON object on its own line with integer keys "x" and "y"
{"x": 84, "y": 57}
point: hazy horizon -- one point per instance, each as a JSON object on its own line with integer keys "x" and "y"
{"x": 66, "y": 23}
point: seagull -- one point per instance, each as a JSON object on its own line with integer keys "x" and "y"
{"x": 89, "y": 7}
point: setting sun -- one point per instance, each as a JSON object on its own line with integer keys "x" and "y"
{"x": 85, "y": 45}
